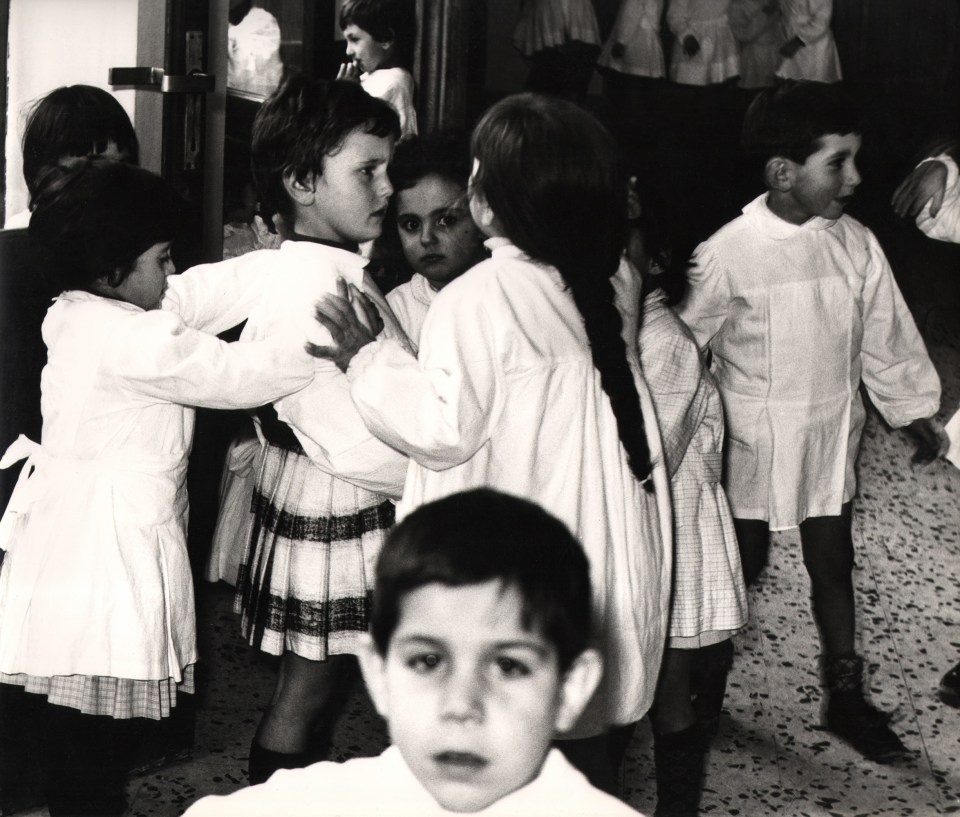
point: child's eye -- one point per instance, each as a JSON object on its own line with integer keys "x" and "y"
{"x": 409, "y": 225}
{"x": 448, "y": 220}
{"x": 512, "y": 668}
{"x": 424, "y": 662}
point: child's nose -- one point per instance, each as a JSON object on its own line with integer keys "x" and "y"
{"x": 462, "y": 697}
{"x": 852, "y": 175}
{"x": 427, "y": 234}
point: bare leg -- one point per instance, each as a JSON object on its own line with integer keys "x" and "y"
{"x": 753, "y": 539}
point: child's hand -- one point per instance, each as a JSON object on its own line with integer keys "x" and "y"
{"x": 691, "y": 47}
{"x": 349, "y": 71}
{"x": 931, "y": 438}
{"x": 352, "y": 320}
{"x": 927, "y": 182}
{"x": 791, "y": 47}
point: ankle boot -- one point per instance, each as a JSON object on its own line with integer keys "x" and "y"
{"x": 264, "y": 762}
{"x": 678, "y": 758}
{"x": 709, "y": 684}
{"x": 851, "y": 717}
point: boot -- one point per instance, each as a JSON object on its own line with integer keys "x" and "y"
{"x": 264, "y": 762}
{"x": 950, "y": 687}
{"x": 678, "y": 758}
{"x": 851, "y": 717}
{"x": 709, "y": 684}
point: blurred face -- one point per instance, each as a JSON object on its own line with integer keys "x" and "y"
{"x": 825, "y": 182}
{"x": 348, "y": 201}
{"x": 364, "y": 50}
{"x": 472, "y": 698}
{"x": 438, "y": 235}
{"x": 145, "y": 285}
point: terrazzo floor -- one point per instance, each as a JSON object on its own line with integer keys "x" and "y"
{"x": 770, "y": 758}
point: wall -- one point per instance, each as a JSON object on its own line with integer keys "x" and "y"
{"x": 61, "y": 42}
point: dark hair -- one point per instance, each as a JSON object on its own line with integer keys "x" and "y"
{"x": 301, "y": 123}
{"x": 75, "y": 120}
{"x": 95, "y": 217}
{"x": 483, "y": 535}
{"x": 442, "y": 153}
{"x": 385, "y": 21}
{"x": 552, "y": 175}
{"x": 791, "y": 119}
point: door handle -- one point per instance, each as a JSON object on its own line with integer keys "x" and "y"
{"x": 195, "y": 82}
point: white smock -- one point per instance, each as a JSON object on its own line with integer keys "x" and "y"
{"x": 505, "y": 395}
{"x": 410, "y": 303}
{"x": 719, "y": 56}
{"x": 546, "y": 24}
{"x": 96, "y": 578}
{"x": 637, "y": 31}
{"x": 945, "y": 225}
{"x": 818, "y": 59}
{"x": 385, "y": 785}
{"x": 797, "y": 316}
{"x": 760, "y": 35}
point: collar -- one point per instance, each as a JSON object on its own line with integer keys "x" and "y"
{"x": 349, "y": 263}
{"x": 349, "y": 246}
{"x": 777, "y": 228}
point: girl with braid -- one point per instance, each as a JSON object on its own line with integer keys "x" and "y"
{"x": 524, "y": 383}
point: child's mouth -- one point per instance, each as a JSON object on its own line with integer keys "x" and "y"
{"x": 460, "y": 765}
{"x": 431, "y": 260}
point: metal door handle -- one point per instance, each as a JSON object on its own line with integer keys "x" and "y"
{"x": 192, "y": 83}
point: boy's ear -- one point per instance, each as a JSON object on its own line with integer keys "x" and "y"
{"x": 300, "y": 191}
{"x": 577, "y": 687}
{"x": 778, "y": 174}
{"x": 388, "y": 40}
{"x": 373, "y": 667}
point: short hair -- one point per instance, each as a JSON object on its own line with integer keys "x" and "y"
{"x": 385, "y": 20}
{"x": 791, "y": 119}
{"x": 301, "y": 123}
{"x": 483, "y": 535}
{"x": 74, "y": 120}
{"x": 94, "y": 217}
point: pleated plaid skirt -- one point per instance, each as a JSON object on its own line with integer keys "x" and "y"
{"x": 306, "y": 575}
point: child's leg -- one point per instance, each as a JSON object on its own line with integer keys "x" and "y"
{"x": 679, "y": 743}
{"x": 305, "y": 690}
{"x": 21, "y": 750}
{"x": 753, "y": 539}
{"x": 84, "y": 762}
{"x": 828, "y": 556}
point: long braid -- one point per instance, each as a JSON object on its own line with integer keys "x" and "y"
{"x": 569, "y": 211}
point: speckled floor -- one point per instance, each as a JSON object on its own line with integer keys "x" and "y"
{"x": 770, "y": 758}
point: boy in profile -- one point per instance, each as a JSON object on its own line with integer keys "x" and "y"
{"x": 478, "y": 655}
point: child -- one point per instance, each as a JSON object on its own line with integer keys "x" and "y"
{"x": 524, "y": 382}
{"x": 479, "y": 653}
{"x": 96, "y": 599}
{"x": 798, "y": 305}
{"x": 561, "y": 40}
{"x": 758, "y": 28}
{"x": 75, "y": 120}
{"x": 380, "y": 38}
{"x": 705, "y": 51}
{"x": 709, "y": 601}
{"x": 322, "y": 501}
{"x": 931, "y": 195}
{"x": 430, "y": 220}
{"x": 808, "y": 50}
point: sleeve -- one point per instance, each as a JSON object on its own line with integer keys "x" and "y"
{"x": 439, "y": 409}
{"x": 707, "y": 302}
{"x": 157, "y": 355}
{"x": 286, "y": 792}
{"x": 335, "y": 437}
{"x": 400, "y": 95}
{"x": 672, "y": 368}
{"x": 809, "y": 21}
{"x": 896, "y": 369}
{"x": 215, "y": 297}
{"x": 945, "y": 226}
